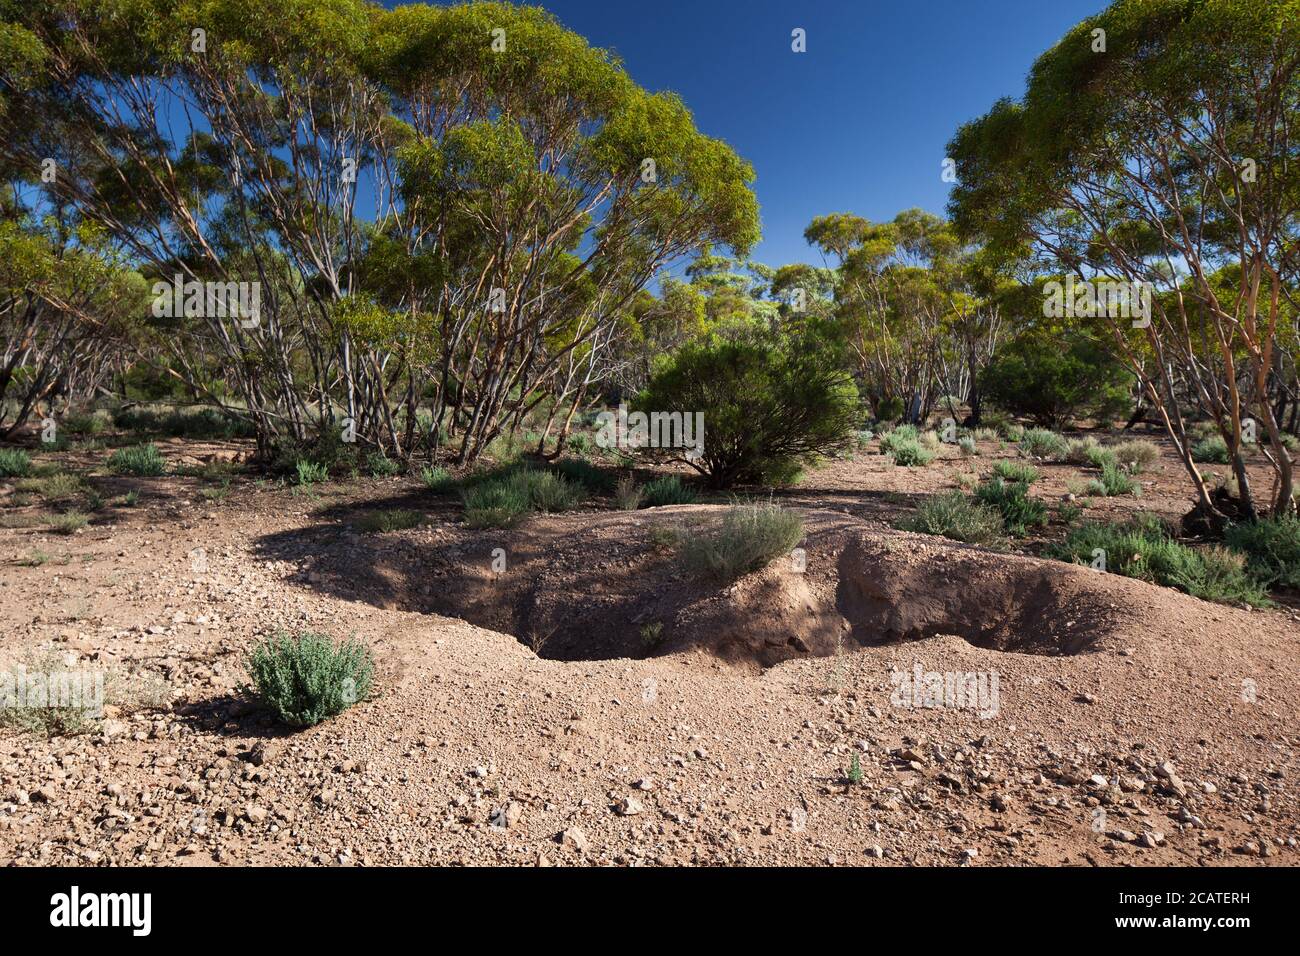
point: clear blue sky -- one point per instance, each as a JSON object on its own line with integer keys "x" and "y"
{"x": 856, "y": 124}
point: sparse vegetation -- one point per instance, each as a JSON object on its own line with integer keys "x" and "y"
{"x": 389, "y": 519}
{"x": 69, "y": 522}
{"x": 667, "y": 490}
{"x": 1011, "y": 499}
{"x": 1043, "y": 444}
{"x": 506, "y": 499}
{"x": 437, "y": 479}
{"x": 1010, "y": 470}
{"x": 1114, "y": 481}
{"x": 628, "y": 494}
{"x": 14, "y": 463}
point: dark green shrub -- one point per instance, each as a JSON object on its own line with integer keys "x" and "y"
{"x": 1011, "y": 500}
{"x": 889, "y": 409}
{"x": 1044, "y": 444}
{"x": 310, "y": 473}
{"x": 438, "y": 480}
{"x": 307, "y": 678}
{"x": 770, "y": 404}
{"x": 1211, "y": 451}
{"x": 1272, "y": 549}
{"x": 956, "y": 516}
{"x": 1114, "y": 481}
{"x": 14, "y": 463}
{"x": 584, "y": 473}
{"x": 667, "y": 490}
{"x": 141, "y": 460}
{"x": 1016, "y": 471}
{"x": 381, "y": 466}
{"x": 511, "y": 495}
{"x": 1052, "y": 382}
{"x": 747, "y": 539}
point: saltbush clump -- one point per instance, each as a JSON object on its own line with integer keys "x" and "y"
{"x": 1272, "y": 549}
{"x": 307, "y": 678}
{"x": 1044, "y": 444}
{"x": 14, "y": 463}
{"x": 956, "y": 516}
{"x": 142, "y": 460}
{"x": 747, "y": 539}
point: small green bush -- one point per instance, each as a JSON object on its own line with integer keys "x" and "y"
{"x": 747, "y": 539}
{"x": 1114, "y": 481}
{"x": 628, "y": 494}
{"x": 506, "y": 499}
{"x": 14, "y": 463}
{"x": 956, "y": 516}
{"x": 1016, "y": 471}
{"x": 59, "y": 486}
{"x": 142, "y": 460}
{"x": 1135, "y": 455}
{"x": 967, "y": 445}
{"x": 1011, "y": 499}
{"x": 584, "y": 473}
{"x": 438, "y": 480}
{"x": 381, "y": 466}
{"x": 910, "y": 453}
{"x": 667, "y": 490}
{"x": 1143, "y": 548}
{"x": 68, "y": 523}
{"x": 393, "y": 519}
{"x": 1043, "y": 444}
{"x": 309, "y": 472}
{"x": 1087, "y": 451}
{"x": 1272, "y": 549}
{"x": 307, "y": 678}
{"x": 1211, "y": 451}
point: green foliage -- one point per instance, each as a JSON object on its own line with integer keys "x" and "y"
{"x": 1088, "y": 451}
{"x": 628, "y": 494}
{"x": 507, "y": 498}
{"x": 1114, "y": 481}
{"x": 909, "y": 452}
{"x": 308, "y": 678}
{"x": 390, "y": 519}
{"x": 1143, "y": 548}
{"x": 854, "y": 773}
{"x": 380, "y": 466}
{"x": 667, "y": 490}
{"x": 200, "y": 424}
{"x": 1054, "y": 382}
{"x": 437, "y": 479}
{"x": 14, "y": 463}
{"x": 889, "y": 409}
{"x": 1272, "y": 549}
{"x": 310, "y": 473}
{"x": 747, "y": 539}
{"x": 59, "y": 486}
{"x": 87, "y": 423}
{"x": 967, "y": 445}
{"x": 956, "y": 516}
{"x": 771, "y": 403}
{"x": 69, "y": 522}
{"x": 1011, "y": 499}
{"x": 1043, "y": 444}
{"x": 583, "y": 473}
{"x": 1135, "y": 455}
{"x": 1212, "y": 450}
{"x": 1016, "y": 471}
{"x": 142, "y": 460}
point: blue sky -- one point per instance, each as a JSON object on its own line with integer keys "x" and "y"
{"x": 856, "y": 124}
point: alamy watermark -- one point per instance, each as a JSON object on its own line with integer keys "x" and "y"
{"x": 636, "y": 430}
{"x": 213, "y": 300}
{"x": 1085, "y": 299}
{"x": 949, "y": 690}
{"x": 21, "y": 689}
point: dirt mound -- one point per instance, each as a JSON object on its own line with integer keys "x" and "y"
{"x": 595, "y": 587}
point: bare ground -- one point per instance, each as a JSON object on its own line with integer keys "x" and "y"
{"x": 523, "y": 716}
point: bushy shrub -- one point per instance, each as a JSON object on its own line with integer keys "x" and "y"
{"x": 1011, "y": 500}
{"x": 14, "y": 463}
{"x": 142, "y": 460}
{"x": 1016, "y": 471}
{"x": 584, "y": 473}
{"x": 1212, "y": 450}
{"x": 747, "y": 539}
{"x": 309, "y": 472}
{"x": 507, "y": 498}
{"x": 1143, "y": 548}
{"x": 910, "y": 452}
{"x": 1135, "y": 455}
{"x": 59, "y": 486}
{"x": 1043, "y": 444}
{"x": 88, "y": 423}
{"x": 69, "y": 522}
{"x": 1087, "y": 451}
{"x": 1052, "y": 382}
{"x": 1272, "y": 549}
{"x": 889, "y": 409}
{"x": 771, "y": 403}
{"x": 667, "y": 490}
{"x": 628, "y": 494}
{"x": 391, "y": 519}
{"x": 956, "y": 516}
{"x": 437, "y": 480}
{"x": 967, "y": 445}
{"x": 307, "y": 678}
{"x": 381, "y": 466}
{"x": 1114, "y": 481}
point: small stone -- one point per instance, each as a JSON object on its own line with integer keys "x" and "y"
{"x": 629, "y": 807}
{"x": 574, "y": 839}
{"x": 1152, "y": 839}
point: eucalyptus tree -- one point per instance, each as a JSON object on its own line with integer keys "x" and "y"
{"x": 1155, "y": 145}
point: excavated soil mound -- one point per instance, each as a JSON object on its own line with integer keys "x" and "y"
{"x": 594, "y": 587}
